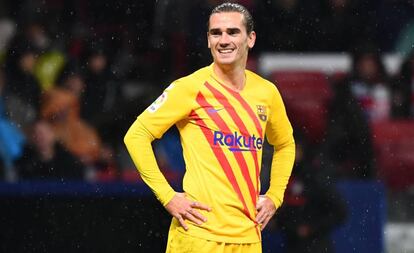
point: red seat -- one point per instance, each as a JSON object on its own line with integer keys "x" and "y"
{"x": 394, "y": 152}
{"x": 306, "y": 95}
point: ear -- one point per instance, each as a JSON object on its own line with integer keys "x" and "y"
{"x": 251, "y": 39}
{"x": 208, "y": 41}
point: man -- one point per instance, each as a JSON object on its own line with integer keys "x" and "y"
{"x": 222, "y": 113}
{"x": 44, "y": 157}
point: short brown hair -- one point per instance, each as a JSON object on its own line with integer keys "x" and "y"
{"x": 235, "y": 7}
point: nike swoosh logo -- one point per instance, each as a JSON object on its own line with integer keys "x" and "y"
{"x": 212, "y": 110}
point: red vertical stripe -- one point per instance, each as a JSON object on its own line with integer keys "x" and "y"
{"x": 218, "y": 152}
{"x": 247, "y": 108}
{"x": 242, "y": 127}
{"x": 239, "y": 156}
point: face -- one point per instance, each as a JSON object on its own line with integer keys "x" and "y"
{"x": 228, "y": 39}
{"x": 97, "y": 63}
{"x": 27, "y": 62}
{"x": 367, "y": 67}
{"x": 43, "y": 136}
{"x": 75, "y": 84}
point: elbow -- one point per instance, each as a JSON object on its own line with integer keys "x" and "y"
{"x": 288, "y": 144}
{"x": 137, "y": 134}
{"x": 127, "y": 139}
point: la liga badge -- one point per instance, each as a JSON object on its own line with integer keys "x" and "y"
{"x": 158, "y": 102}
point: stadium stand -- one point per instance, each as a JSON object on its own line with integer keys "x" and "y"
{"x": 394, "y": 149}
{"x": 307, "y": 95}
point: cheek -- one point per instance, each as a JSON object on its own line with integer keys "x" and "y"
{"x": 244, "y": 46}
{"x": 211, "y": 42}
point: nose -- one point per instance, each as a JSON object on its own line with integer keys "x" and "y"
{"x": 224, "y": 39}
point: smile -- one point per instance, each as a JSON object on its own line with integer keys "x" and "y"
{"x": 225, "y": 51}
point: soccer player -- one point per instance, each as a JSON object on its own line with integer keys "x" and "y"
{"x": 223, "y": 113}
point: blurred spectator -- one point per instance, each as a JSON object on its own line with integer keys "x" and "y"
{"x": 44, "y": 157}
{"x": 21, "y": 82}
{"x": 312, "y": 208}
{"x": 48, "y": 68}
{"x": 73, "y": 81}
{"x": 7, "y": 31}
{"x": 101, "y": 91}
{"x": 403, "y": 90}
{"x": 106, "y": 168}
{"x": 15, "y": 107}
{"x": 37, "y": 35}
{"x": 370, "y": 85}
{"x": 61, "y": 109}
{"x": 347, "y": 149}
{"x": 11, "y": 138}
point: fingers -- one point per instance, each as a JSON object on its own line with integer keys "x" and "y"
{"x": 189, "y": 216}
{"x": 184, "y": 209}
{"x": 264, "y": 224}
{"x": 261, "y": 216}
{"x": 262, "y": 212}
{"x": 266, "y": 210}
{"x": 201, "y": 206}
{"x": 182, "y": 222}
{"x": 198, "y": 215}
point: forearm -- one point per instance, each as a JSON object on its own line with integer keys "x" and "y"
{"x": 138, "y": 142}
{"x": 282, "y": 163}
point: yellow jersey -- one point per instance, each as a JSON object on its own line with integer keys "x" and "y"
{"x": 222, "y": 133}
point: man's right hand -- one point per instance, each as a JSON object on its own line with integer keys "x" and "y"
{"x": 182, "y": 208}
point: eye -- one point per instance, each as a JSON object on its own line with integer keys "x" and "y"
{"x": 215, "y": 32}
{"x": 233, "y": 31}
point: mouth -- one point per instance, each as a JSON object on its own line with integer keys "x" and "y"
{"x": 226, "y": 50}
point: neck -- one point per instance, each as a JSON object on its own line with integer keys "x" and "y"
{"x": 233, "y": 77}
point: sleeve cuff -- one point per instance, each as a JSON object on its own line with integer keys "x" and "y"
{"x": 167, "y": 197}
{"x": 276, "y": 201}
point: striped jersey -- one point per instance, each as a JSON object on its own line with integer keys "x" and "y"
{"x": 222, "y": 133}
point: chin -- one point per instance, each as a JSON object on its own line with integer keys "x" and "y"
{"x": 225, "y": 61}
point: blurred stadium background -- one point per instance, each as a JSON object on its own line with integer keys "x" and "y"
{"x": 75, "y": 74}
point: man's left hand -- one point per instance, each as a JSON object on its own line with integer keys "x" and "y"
{"x": 265, "y": 210}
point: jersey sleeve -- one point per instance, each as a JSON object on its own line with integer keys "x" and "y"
{"x": 138, "y": 142}
{"x": 173, "y": 105}
{"x": 279, "y": 133}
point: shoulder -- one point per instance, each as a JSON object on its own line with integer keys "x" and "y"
{"x": 260, "y": 80}
{"x": 190, "y": 83}
{"x": 195, "y": 78}
{"x": 262, "y": 84}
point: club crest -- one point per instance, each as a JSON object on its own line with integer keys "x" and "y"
{"x": 261, "y": 112}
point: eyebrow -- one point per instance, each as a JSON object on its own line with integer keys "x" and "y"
{"x": 228, "y": 30}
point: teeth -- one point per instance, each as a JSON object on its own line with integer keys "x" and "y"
{"x": 225, "y": 50}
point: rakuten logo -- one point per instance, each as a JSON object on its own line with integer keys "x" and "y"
{"x": 237, "y": 142}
